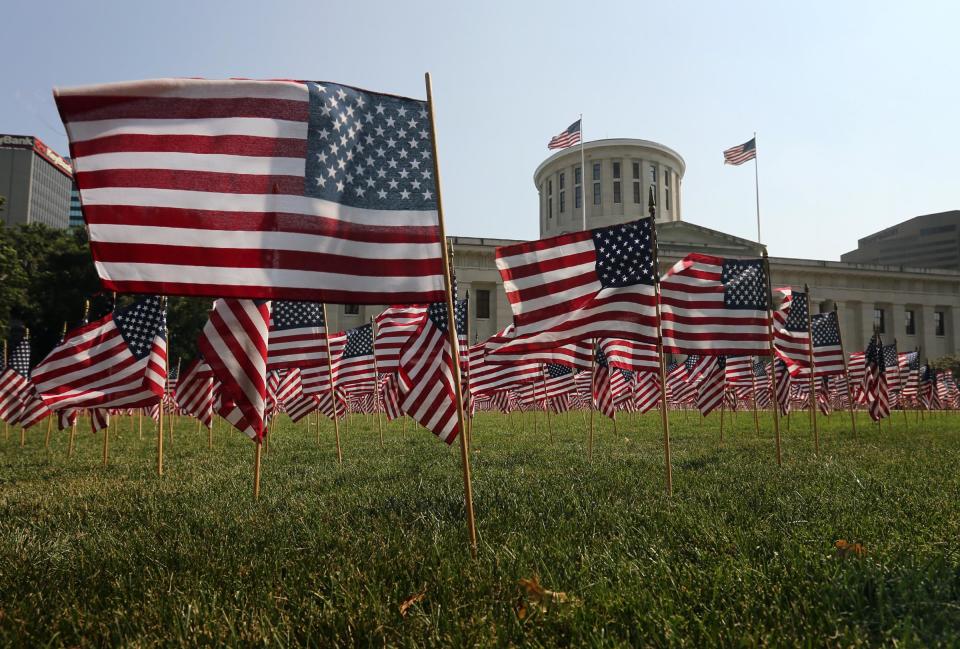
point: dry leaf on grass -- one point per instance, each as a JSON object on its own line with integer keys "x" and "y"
{"x": 539, "y": 596}
{"x": 410, "y": 601}
{"x": 846, "y": 549}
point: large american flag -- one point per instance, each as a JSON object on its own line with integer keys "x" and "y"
{"x": 258, "y": 189}
{"x": 117, "y": 361}
{"x": 427, "y": 372}
{"x": 592, "y": 284}
{"x": 567, "y": 137}
{"x": 234, "y": 343}
{"x": 875, "y": 380}
{"x": 737, "y": 155}
{"x": 711, "y": 305}
{"x": 297, "y": 335}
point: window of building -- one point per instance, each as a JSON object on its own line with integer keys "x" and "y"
{"x": 577, "y": 187}
{"x": 878, "y": 323}
{"x": 549, "y": 199}
{"x": 653, "y": 174}
{"x": 483, "y": 303}
{"x": 938, "y": 323}
{"x": 637, "y": 195}
{"x": 617, "y": 198}
{"x": 910, "y": 322}
{"x": 351, "y": 309}
{"x": 666, "y": 189}
{"x": 563, "y": 202}
{"x": 596, "y": 183}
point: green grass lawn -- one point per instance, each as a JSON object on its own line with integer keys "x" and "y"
{"x": 741, "y": 554}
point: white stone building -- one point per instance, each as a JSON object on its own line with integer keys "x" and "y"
{"x": 916, "y": 307}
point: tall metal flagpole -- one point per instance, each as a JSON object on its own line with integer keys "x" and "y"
{"x": 452, "y": 329}
{"x": 756, "y": 182}
{"x": 583, "y": 179}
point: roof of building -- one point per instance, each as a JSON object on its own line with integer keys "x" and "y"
{"x": 596, "y": 144}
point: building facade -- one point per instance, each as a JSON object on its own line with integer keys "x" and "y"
{"x": 915, "y": 306}
{"x": 76, "y": 213}
{"x": 35, "y": 180}
{"x": 927, "y": 241}
{"x": 619, "y": 176}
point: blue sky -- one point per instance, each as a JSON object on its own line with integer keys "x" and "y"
{"x": 854, "y": 103}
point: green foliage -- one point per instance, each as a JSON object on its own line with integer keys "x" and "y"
{"x": 943, "y": 363}
{"x": 46, "y": 276}
{"x": 743, "y": 554}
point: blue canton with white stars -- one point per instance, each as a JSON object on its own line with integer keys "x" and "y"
{"x": 437, "y": 312}
{"x": 359, "y": 342}
{"x": 625, "y": 255}
{"x": 20, "y": 358}
{"x": 874, "y": 354}
{"x": 890, "y": 355}
{"x": 759, "y": 368}
{"x": 744, "y": 284}
{"x": 913, "y": 361}
{"x": 288, "y": 314}
{"x": 140, "y": 323}
{"x": 555, "y": 371}
{"x": 369, "y": 150}
{"x": 601, "y": 358}
{"x": 826, "y": 333}
{"x": 797, "y": 318}
{"x": 691, "y": 363}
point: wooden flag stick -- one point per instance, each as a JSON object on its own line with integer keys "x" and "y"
{"x": 593, "y": 391}
{"x": 546, "y": 400}
{"x": 376, "y": 379}
{"x": 256, "y": 469}
{"x": 140, "y": 423}
{"x": 664, "y": 406}
{"x": 773, "y": 359}
{"x": 813, "y": 371}
{"x": 452, "y": 328}
{"x": 46, "y": 441}
{"x": 23, "y": 437}
{"x": 723, "y": 405}
{"x": 106, "y": 444}
{"x": 73, "y": 436}
{"x": 333, "y": 396}
{"x": 846, "y": 375}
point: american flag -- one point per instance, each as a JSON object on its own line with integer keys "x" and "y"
{"x": 195, "y": 393}
{"x": 67, "y": 418}
{"x": 234, "y": 343}
{"x": 609, "y": 384}
{"x": 487, "y": 377}
{"x": 892, "y": 372}
{"x": 297, "y": 335}
{"x": 119, "y": 360}
{"x": 15, "y": 382}
{"x": 289, "y": 387}
{"x": 737, "y": 155}
{"x": 355, "y": 364}
{"x": 499, "y": 350}
{"x": 567, "y": 137}
{"x": 790, "y": 337}
{"x": 823, "y": 395}
{"x": 827, "y": 350}
{"x": 909, "y": 364}
{"x": 427, "y": 372}
{"x": 299, "y": 407}
{"x": 740, "y": 371}
{"x": 711, "y": 305}
{"x": 875, "y": 380}
{"x": 390, "y": 394}
{"x": 592, "y": 284}
{"x": 646, "y": 391}
{"x": 630, "y": 355}
{"x": 784, "y": 384}
{"x": 394, "y": 327}
{"x": 557, "y": 381}
{"x": 710, "y": 393}
{"x": 99, "y": 419}
{"x": 296, "y": 190}
{"x": 856, "y": 368}
{"x": 925, "y": 390}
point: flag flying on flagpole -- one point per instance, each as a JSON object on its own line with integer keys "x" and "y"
{"x": 297, "y": 190}
{"x": 567, "y": 137}
{"x": 593, "y": 284}
{"x": 737, "y": 155}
